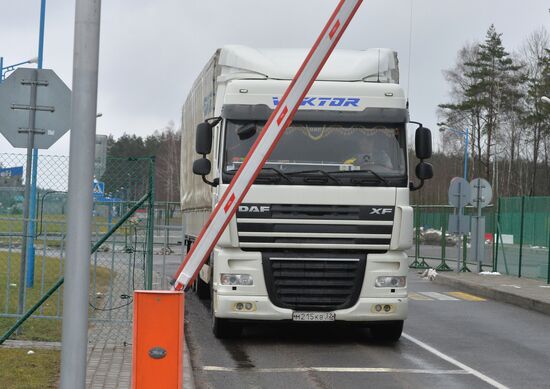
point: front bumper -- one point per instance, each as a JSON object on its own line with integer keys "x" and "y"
{"x": 362, "y": 311}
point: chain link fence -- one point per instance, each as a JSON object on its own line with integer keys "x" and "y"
{"x": 523, "y": 236}
{"x": 121, "y": 263}
{"x": 436, "y": 247}
{"x": 517, "y": 238}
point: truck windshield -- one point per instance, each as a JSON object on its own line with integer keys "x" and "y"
{"x": 351, "y": 153}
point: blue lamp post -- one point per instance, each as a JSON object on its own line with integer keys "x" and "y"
{"x": 10, "y": 68}
{"x": 32, "y": 203}
{"x": 32, "y": 214}
{"x": 465, "y": 134}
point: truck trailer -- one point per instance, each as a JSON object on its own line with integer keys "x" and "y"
{"x": 322, "y": 233}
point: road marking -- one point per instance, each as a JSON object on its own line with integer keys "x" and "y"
{"x": 419, "y": 297}
{"x": 512, "y": 286}
{"x": 466, "y": 296}
{"x": 331, "y": 370}
{"x": 453, "y": 361}
{"x": 439, "y": 296}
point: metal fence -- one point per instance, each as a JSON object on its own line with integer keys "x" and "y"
{"x": 523, "y": 236}
{"x": 516, "y": 240}
{"x": 435, "y": 247}
{"x": 121, "y": 263}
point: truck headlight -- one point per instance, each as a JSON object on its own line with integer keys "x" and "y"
{"x": 390, "y": 281}
{"x": 236, "y": 279}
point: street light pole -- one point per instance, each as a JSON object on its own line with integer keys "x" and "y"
{"x": 466, "y": 154}
{"x": 11, "y": 68}
{"x": 81, "y": 172}
{"x": 466, "y": 136}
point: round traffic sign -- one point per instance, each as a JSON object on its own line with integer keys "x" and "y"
{"x": 481, "y": 192}
{"x": 460, "y": 192}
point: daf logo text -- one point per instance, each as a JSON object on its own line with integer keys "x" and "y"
{"x": 380, "y": 211}
{"x": 254, "y": 208}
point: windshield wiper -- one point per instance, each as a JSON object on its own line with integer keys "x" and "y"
{"x": 378, "y": 176}
{"x": 279, "y": 173}
{"x": 324, "y": 173}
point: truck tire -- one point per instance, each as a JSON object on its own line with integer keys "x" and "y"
{"x": 225, "y": 329}
{"x": 387, "y": 332}
{"x": 222, "y": 328}
{"x": 202, "y": 289}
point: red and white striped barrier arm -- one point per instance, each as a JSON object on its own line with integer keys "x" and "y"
{"x": 279, "y": 120}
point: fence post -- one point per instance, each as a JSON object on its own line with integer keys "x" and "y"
{"x": 548, "y": 268}
{"x": 496, "y": 236}
{"x": 150, "y": 224}
{"x": 443, "y": 265}
{"x": 464, "y": 267}
{"x": 417, "y": 232}
{"x": 521, "y": 234}
{"x": 416, "y": 264}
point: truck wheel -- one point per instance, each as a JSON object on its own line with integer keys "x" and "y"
{"x": 203, "y": 289}
{"x": 387, "y": 331}
{"x": 224, "y": 329}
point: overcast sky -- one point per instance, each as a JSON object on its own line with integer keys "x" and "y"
{"x": 151, "y": 51}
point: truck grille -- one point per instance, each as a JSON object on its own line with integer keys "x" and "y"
{"x": 314, "y": 284}
{"x": 294, "y": 226}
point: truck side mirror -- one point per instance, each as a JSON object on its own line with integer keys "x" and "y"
{"x": 202, "y": 167}
{"x": 246, "y": 131}
{"x": 424, "y": 171}
{"x": 203, "y": 141}
{"x": 423, "y": 143}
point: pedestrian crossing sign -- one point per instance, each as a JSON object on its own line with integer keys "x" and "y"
{"x": 98, "y": 188}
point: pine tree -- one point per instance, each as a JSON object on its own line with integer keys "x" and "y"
{"x": 537, "y": 58}
{"x": 489, "y": 85}
{"x": 495, "y": 90}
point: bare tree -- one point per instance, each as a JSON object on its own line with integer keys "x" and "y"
{"x": 533, "y": 54}
{"x": 168, "y": 164}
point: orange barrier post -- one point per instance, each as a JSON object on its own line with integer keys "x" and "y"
{"x": 157, "y": 356}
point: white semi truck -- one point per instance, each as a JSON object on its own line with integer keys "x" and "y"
{"x": 322, "y": 233}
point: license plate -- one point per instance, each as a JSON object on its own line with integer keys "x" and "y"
{"x": 313, "y": 316}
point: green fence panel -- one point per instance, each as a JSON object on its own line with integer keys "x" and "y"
{"x": 122, "y": 264}
{"x": 524, "y": 254}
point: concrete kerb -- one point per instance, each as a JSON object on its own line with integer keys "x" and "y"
{"x": 188, "y": 377}
{"x": 526, "y": 293}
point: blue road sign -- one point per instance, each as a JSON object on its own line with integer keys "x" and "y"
{"x": 16, "y": 171}
{"x": 98, "y": 188}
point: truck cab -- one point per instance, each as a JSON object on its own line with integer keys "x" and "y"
{"x": 322, "y": 233}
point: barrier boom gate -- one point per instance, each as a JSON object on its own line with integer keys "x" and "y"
{"x": 279, "y": 120}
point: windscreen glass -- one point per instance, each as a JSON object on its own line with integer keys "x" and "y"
{"x": 312, "y": 149}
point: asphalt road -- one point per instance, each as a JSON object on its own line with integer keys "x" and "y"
{"x": 450, "y": 341}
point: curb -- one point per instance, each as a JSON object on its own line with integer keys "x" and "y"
{"x": 188, "y": 377}
{"x": 494, "y": 294}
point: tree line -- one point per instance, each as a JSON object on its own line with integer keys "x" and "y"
{"x": 164, "y": 145}
{"x": 497, "y": 96}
